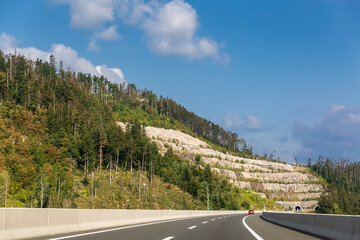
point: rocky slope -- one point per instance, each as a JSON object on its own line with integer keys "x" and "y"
{"x": 288, "y": 184}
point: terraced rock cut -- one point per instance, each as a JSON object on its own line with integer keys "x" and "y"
{"x": 288, "y": 184}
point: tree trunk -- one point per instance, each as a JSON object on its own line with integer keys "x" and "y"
{"x": 151, "y": 173}
{"x": 131, "y": 160}
{"x": 6, "y": 188}
{"x": 7, "y": 79}
{"x": 117, "y": 161}
{"x": 92, "y": 184}
{"x": 142, "y": 163}
{"x": 42, "y": 193}
{"x": 139, "y": 184}
{"x": 110, "y": 170}
{"x": 100, "y": 156}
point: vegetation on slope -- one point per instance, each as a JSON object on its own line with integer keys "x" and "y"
{"x": 343, "y": 193}
{"x": 60, "y": 146}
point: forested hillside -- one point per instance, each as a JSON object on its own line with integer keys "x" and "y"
{"x": 343, "y": 193}
{"x": 60, "y": 146}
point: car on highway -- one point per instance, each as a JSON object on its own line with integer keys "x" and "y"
{"x": 251, "y": 211}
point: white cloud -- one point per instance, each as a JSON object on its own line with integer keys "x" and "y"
{"x": 232, "y": 121}
{"x": 7, "y": 41}
{"x": 92, "y": 46}
{"x": 335, "y": 134}
{"x": 169, "y": 26}
{"x": 109, "y": 34}
{"x": 66, "y": 54}
{"x": 135, "y": 12}
{"x": 335, "y": 108}
{"x": 249, "y": 123}
{"x": 354, "y": 117}
{"x": 89, "y": 14}
{"x": 171, "y": 31}
{"x": 110, "y": 73}
{"x": 252, "y": 123}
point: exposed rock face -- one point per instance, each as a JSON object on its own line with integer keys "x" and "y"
{"x": 169, "y": 135}
{"x": 279, "y": 187}
{"x": 234, "y": 165}
{"x": 287, "y": 177}
{"x": 298, "y": 196}
{"x": 267, "y": 178}
{"x": 304, "y": 204}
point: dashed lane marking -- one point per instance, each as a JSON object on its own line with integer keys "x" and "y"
{"x": 112, "y": 229}
{"x": 168, "y": 238}
{"x": 213, "y": 219}
{"x": 205, "y": 222}
{"x": 192, "y": 227}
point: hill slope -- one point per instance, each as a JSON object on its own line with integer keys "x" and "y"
{"x": 289, "y": 184}
{"x": 60, "y": 146}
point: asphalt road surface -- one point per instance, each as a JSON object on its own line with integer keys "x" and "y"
{"x": 223, "y": 227}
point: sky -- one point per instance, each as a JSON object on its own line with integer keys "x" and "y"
{"x": 283, "y": 74}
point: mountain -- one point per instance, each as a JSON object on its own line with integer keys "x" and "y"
{"x": 61, "y": 146}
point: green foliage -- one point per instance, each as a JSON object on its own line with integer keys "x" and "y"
{"x": 342, "y": 195}
{"x": 195, "y": 180}
{"x": 197, "y": 159}
{"x": 60, "y": 145}
{"x": 339, "y": 201}
{"x": 123, "y": 193}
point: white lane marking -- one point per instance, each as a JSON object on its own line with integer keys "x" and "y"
{"x": 112, "y": 229}
{"x": 213, "y": 219}
{"x": 192, "y": 227}
{"x": 219, "y": 217}
{"x": 168, "y": 238}
{"x": 251, "y": 231}
{"x": 205, "y": 222}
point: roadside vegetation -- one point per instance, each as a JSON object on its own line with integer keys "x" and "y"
{"x": 342, "y": 195}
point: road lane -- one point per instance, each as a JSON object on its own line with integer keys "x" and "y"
{"x": 199, "y": 228}
{"x": 269, "y": 230}
{"x": 230, "y": 227}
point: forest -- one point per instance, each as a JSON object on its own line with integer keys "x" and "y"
{"x": 342, "y": 195}
{"x": 60, "y": 146}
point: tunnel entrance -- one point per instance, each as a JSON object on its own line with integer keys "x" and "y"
{"x": 298, "y": 208}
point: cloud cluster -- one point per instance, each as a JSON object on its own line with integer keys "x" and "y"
{"x": 249, "y": 122}
{"x": 171, "y": 30}
{"x": 108, "y": 34}
{"x": 335, "y": 134}
{"x": 63, "y": 53}
{"x": 90, "y": 14}
{"x": 169, "y": 26}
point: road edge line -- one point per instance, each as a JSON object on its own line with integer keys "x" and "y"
{"x": 251, "y": 231}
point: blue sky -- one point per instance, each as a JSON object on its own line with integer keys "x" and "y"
{"x": 282, "y": 74}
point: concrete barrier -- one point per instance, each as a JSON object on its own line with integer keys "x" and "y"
{"x": 22, "y": 223}
{"x": 326, "y": 225}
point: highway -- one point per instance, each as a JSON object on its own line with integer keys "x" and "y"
{"x": 207, "y": 228}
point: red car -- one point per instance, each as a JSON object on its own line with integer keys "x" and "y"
{"x": 251, "y": 211}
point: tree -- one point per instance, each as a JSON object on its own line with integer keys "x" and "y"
{"x": 102, "y": 143}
